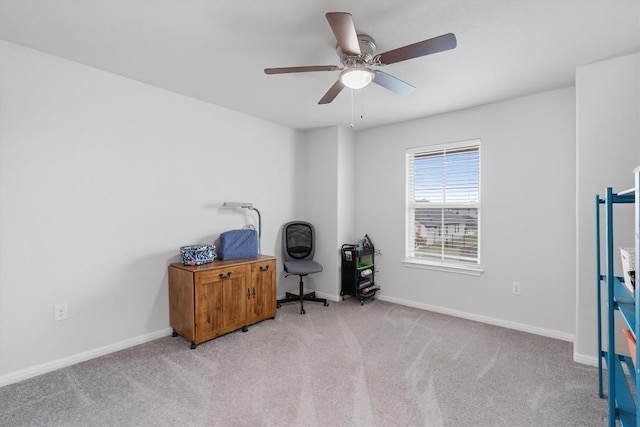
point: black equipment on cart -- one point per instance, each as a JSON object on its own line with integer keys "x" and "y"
{"x": 358, "y": 270}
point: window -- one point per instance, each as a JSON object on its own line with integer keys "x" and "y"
{"x": 443, "y": 205}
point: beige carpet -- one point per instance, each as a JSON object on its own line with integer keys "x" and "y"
{"x": 379, "y": 364}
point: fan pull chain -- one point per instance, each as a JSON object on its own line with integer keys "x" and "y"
{"x": 353, "y": 106}
{"x": 352, "y": 109}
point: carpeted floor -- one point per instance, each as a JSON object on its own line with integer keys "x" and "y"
{"x": 379, "y": 364}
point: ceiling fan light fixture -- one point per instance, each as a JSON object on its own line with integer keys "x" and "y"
{"x": 356, "y": 77}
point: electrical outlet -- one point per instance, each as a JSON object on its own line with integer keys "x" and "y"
{"x": 516, "y": 288}
{"x": 60, "y": 312}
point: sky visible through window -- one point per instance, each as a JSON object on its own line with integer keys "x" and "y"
{"x": 447, "y": 177}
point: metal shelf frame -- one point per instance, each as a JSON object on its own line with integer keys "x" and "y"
{"x": 622, "y": 406}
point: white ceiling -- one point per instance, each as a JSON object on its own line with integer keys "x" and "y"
{"x": 216, "y": 50}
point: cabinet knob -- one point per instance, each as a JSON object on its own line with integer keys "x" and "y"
{"x": 224, "y": 276}
{"x": 248, "y": 293}
{"x": 264, "y": 268}
{"x": 254, "y": 293}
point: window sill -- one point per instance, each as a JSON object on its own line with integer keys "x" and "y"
{"x": 472, "y": 270}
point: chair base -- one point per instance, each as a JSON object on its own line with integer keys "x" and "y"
{"x": 310, "y": 296}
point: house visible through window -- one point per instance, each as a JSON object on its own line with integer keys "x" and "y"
{"x": 443, "y": 204}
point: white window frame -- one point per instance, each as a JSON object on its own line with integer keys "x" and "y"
{"x": 472, "y": 268}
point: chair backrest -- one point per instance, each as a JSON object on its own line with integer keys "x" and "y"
{"x": 298, "y": 241}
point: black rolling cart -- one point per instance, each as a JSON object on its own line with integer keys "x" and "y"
{"x": 358, "y": 270}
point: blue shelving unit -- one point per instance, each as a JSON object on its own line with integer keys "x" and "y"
{"x": 622, "y": 405}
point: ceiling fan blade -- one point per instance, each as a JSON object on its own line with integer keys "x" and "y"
{"x": 425, "y": 47}
{"x": 332, "y": 93}
{"x": 304, "y": 69}
{"x": 342, "y": 26}
{"x": 394, "y": 84}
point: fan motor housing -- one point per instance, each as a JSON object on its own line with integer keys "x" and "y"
{"x": 367, "y": 49}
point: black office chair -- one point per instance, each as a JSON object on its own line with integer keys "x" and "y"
{"x": 298, "y": 249}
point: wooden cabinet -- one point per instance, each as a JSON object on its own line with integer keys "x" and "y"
{"x": 209, "y": 300}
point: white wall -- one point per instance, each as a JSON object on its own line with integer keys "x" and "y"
{"x": 321, "y": 206}
{"x": 102, "y": 179}
{"x": 528, "y": 212}
{"x": 348, "y": 185}
{"x": 608, "y": 149}
{"x": 329, "y": 203}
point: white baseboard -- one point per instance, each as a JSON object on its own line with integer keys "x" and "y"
{"x": 587, "y": 360}
{"x": 34, "y": 371}
{"x": 483, "y": 319}
{"x": 550, "y": 333}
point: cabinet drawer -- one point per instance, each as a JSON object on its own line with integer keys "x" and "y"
{"x": 222, "y": 273}
{"x": 264, "y": 266}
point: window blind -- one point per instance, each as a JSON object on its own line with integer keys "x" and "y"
{"x": 443, "y": 203}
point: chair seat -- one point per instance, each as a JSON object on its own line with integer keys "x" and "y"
{"x": 302, "y": 268}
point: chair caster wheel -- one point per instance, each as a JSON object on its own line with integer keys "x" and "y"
{"x": 326, "y": 304}
{"x": 174, "y": 334}
{"x": 245, "y": 329}
{"x": 193, "y": 346}
{"x": 302, "y": 312}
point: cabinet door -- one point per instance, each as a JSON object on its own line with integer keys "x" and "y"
{"x": 220, "y": 301}
{"x": 235, "y": 291}
{"x": 208, "y": 310}
{"x": 263, "y": 291}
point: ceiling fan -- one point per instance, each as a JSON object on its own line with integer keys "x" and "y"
{"x": 357, "y": 55}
